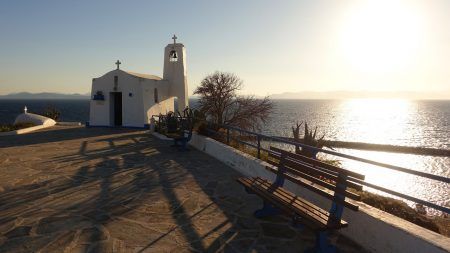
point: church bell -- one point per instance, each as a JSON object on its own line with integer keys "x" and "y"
{"x": 173, "y": 54}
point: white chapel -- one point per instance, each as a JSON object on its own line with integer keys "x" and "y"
{"x": 128, "y": 99}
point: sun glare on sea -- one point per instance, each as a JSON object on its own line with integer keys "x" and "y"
{"x": 377, "y": 120}
{"x": 381, "y": 121}
{"x": 380, "y": 36}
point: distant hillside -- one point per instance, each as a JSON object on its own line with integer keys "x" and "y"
{"x": 44, "y": 95}
{"x": 361, "y": 94}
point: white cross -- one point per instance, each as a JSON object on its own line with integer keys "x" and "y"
{"x": 118, "y": 63}
{"x": 25, "y": 109}
{"x": 174, "y": 39}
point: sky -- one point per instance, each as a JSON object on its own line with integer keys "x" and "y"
{"x": 273, "y": 46}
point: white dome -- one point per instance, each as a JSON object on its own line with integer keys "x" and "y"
{"x": 35, "y": 119}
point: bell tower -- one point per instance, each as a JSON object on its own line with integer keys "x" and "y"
{"x": 175, "y": 72}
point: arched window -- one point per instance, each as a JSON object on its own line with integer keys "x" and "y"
{"x": 116, "y": 82}
{"x": 155, "y": 93}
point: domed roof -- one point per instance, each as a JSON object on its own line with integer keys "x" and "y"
{"x": 34, "y": 118}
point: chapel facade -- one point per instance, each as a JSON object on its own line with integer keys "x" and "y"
{"x": 129, "y": 99}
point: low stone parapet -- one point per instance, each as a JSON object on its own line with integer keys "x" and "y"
{"x": 373, "y": 229}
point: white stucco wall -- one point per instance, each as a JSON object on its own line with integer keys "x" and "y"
{"x": 99, "y": 110}
{"x": 165, "y": 102}
{"x": 375, "y": 230}
{"x": 132, "y": 110}
{"x": 176, "y": 74}
{"x": 135, "y": 108}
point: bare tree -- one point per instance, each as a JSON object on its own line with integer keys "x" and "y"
{"x": 220, "y": 102}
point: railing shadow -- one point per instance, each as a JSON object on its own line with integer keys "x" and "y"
{"x": 134, "y": 192}
{"x": 58, "y": 134}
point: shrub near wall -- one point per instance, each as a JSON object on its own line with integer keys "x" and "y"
{"x": 8, "y": 128}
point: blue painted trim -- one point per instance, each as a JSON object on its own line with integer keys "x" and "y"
{"x": 133, "y": 127}
{"x": 99, "y": 97}
{"x": 100, "y": 126}
{"x": 108, "y": 126}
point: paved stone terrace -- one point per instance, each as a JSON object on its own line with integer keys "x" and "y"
{"x": 71, "y": 189}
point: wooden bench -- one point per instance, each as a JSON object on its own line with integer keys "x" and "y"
{"x": 324, "y": 179}
{"x": 183, "y": 134}
{"x": 181, "y": 139}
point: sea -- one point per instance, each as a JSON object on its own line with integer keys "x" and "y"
{"x": 381, "y": 121}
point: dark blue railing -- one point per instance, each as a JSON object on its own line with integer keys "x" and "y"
{"x": 261, "y": 137}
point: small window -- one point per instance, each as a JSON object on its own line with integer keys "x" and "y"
{"x": 116, "y": 82}
{"x": 155, "y": 93}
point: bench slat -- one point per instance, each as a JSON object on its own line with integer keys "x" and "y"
{"x": 289, "y": 207}
{"x": 286, "y": 200}
{"x": 316, "y": 210}
{"x": 290, "y": 202}
{"x": 293, "y": 201}
{"x": 322, "y": 183}
{"x": 313, "y": 188}
{"x": 318, "y": 163}
{"x": 313, "y": 171}
{"x": 316, "y": 173}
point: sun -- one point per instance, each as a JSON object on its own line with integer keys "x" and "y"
{"x": 380, "y": 36}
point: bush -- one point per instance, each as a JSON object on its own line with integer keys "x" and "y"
{"x": 52, "y": 112}
{"x": 8, "y": 128}
{"x": 309, "y": 138}
{"x": 402, "y": 210}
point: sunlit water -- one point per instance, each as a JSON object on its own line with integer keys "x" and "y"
{"x": 396, "y": 122}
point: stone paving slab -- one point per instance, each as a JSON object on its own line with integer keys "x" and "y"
{"x": 72, "y": 189}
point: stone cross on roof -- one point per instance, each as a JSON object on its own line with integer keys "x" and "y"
{"x": 174, "y": 39}
{"x": 118, "y": 63}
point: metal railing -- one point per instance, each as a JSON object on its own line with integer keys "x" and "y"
{"x": 163, "y": 123}
{"x": 259, "y": 138}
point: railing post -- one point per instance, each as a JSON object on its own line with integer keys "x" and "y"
{"x": 228, "y": 136}
{"x": 159, "y": 124}
{"x": 259, "y": 146}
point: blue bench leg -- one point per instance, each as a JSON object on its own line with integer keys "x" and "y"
{"x": 296, "y": 223}
{"x": 175, "y": 143}
{"x": 183, "y": 144}
{"x": 322, "y": 244}
{"x": 249, "y": 191}
{"x": 267, "y": 210}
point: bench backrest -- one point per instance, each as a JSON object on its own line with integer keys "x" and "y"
{"x": 304, "y": 171}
